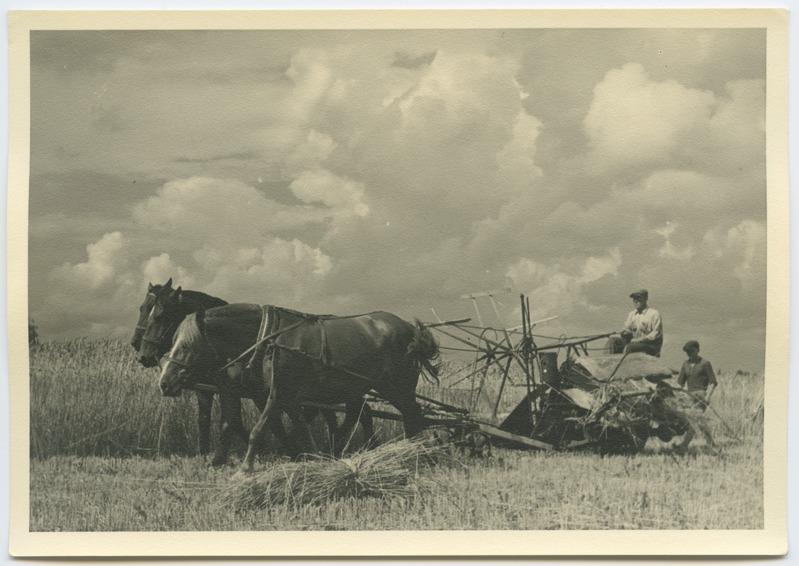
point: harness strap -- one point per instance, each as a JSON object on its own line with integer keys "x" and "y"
{"x": 177, "y": 362}
{"x": 325, "y": 357}
{"x": 161, "y": 340}
{"x": 262, "y": 340}
{"x": 260, "y": 343}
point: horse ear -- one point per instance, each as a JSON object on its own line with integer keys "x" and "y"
{"x": 168, "y": 283}
{"x": 149, "y": 287}
{"x": 179, "y": 294}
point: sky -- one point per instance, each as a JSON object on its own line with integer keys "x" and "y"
{"x": 350, "y": 171}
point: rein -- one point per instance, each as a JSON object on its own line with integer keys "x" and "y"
{"x": 161, "y": 339}
{"x": 204, "y": 388}
{"x": 261, "y": 341}
{"x": 211, "y": 389}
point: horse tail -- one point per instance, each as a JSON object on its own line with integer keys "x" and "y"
{"x": 423, "y": 350}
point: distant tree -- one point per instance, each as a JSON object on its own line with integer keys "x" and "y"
{"x": 33, "y": 333}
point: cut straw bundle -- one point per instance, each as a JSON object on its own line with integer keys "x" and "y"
{"x": 392, "y": 470}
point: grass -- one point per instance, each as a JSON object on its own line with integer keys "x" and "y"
{"x": 108, "y": 453}
{"x": 93, "y": 398}
{"x": 511, "y": 490}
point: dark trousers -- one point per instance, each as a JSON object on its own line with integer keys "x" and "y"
{"x": 650, "y": 348}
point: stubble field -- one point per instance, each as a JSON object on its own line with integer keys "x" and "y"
{"x": 108, "y": 453}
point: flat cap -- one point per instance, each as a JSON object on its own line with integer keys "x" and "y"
{"x": 640, "y": 293}
{"x": 691, "y": 344}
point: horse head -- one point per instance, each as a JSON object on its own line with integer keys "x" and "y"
{"x": 165, "y": 316}
{"x": 192, "y": 357}
{"x": 153, "y": 292}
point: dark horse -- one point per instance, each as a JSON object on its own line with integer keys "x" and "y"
{"x": 167, "y": 312}
{"x": 316, "y": 359}
{"x": 154, "y": 347}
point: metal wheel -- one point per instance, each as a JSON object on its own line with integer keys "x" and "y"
{"x": 439, "y": 436}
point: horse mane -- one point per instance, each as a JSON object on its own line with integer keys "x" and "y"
{"x": 423, "y": 348}
{"x": 233, "y": 310}
{"x": 188, "y": 330}
{"x": 203, "y": 300}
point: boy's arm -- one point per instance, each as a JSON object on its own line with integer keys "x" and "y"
{"x": 683, "y": 377}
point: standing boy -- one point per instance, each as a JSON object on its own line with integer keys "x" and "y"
{"x": 696, "y": 377}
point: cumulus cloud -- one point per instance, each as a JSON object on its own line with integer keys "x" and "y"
{"x": 742, "y": 248}
{"x": 399, "y": 170}
{"x": 517, "y": 158}
{"x": 226, "y": 208}
{"x": 158, "y": 269}
{"x": 669, "y": 250}
{"x": 105, "y": 259}
{"x": 230, "y": 229}
{"x": 558, "y": 288}
{"x": 344, "y": 197}
{"x": 221, "y": 237}
{"x": 458, "y": 140}
{"x": 280, "y": 272}
{"x": 311, "y": 73}
{"x": 89, "y": 298}
{"x": 634, "y": 121}
{"x": 737, "y": 130}
{"x": 311, "y": 153}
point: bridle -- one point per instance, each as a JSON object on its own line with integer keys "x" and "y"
{"x": 144, "y": 328}
{"x": 185, "y": 364}
{"x": 161, "y": 340}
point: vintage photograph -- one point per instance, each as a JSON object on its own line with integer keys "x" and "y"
{"x": 285, "y": 278}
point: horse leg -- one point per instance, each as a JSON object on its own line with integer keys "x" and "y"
{"x": 356, "y": 411}
{"x": 368, "y": 426}
{"x": 275, "y": 426}
{"x": 412, "y": 419}
{"x": 232, "y": 425}
{"x": 302, "y": 432}
{"x": 270, "y": 413}
{"x": 205, "y": 403}
{"x": 333, "y": 430}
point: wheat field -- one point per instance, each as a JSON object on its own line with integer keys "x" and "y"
{"x": 108, "y": 453}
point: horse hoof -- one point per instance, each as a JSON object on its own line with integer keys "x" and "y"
{"x": 242, "y": 474}
{"x": 218, "y": 462}
{"x": 239, "y": 476}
